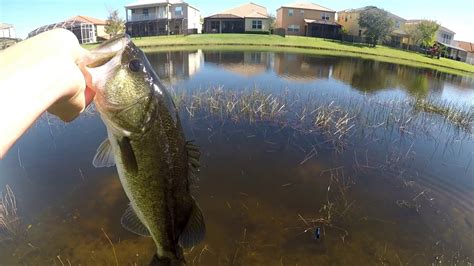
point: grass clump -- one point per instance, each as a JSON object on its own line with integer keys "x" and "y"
{"x": 460, "y": 116}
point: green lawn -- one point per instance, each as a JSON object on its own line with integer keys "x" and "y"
{"x": 316, "y": 45}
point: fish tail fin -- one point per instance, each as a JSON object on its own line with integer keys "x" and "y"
{"x": 157, "y": 261}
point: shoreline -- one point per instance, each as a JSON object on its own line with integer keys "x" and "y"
{"x": 301, "y": 45}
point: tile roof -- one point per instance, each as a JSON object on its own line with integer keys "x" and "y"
{"x": 87, "y": 19}
{"x": 467, "y": 46}
{"x": 5, "y": 26}
{"x": 416, "y": 21}
{"x": 249, "y": 10}
{"x": 309, "y": 6}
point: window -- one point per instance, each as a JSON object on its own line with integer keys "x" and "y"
{"x": 397, "y": 24}
{"x": 346, "y": 19}
{"x": 145, "y": 12}
{"x": 256, "y": 24}
{"x": 215, "y": 26}
{"x": 325, "y": 16}
{"x": 293, "y": 28}
{"x": 133, "y": 11}
{"x": 290, "y": 12}
{"x": 178, "y": 11}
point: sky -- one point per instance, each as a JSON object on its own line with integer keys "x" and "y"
{"x": 27, "y": 15}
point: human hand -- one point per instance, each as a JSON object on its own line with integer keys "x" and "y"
{"x": 67, "y": 60}
{"x": 46, "y": 72}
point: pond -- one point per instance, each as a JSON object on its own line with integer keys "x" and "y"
{"x": 306, "y": 159}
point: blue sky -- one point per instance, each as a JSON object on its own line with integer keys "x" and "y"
{"x": 26, "y": 15}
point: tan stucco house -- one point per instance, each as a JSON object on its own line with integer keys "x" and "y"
{"x": 307, "y": 19}
{"x": 249, "y": 17}
{"x": 162, "y": 17}
{"x": 468, "y": 57}
{"x": 99, "y": 25}
{"x": 349, "y": 19}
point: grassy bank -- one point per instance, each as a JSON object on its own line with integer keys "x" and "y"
{"x": 315, "y": 44}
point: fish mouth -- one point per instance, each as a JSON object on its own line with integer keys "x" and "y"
{"x": 104, "y": 62}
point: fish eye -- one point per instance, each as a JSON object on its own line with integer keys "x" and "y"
{"x": 135, "y": 65}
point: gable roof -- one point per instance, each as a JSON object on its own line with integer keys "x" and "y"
{"x": 249, "y": 10}
{"x": 5, "y": 26}
{"x": 357, "y": 10}
{"x": 309, "y": 6}
{"x": 467, "y": 46}
{"x": 441, "y": 27}
{"x": 90, "y": 20}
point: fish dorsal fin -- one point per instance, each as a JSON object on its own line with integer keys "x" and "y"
{"x": 193, "y": 159}
{"x": 104, "y": 156}
{"x": 195, "y": 229}
{"x": 132, "y": 223}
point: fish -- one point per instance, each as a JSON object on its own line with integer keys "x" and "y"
{"x": 146, "y": 143}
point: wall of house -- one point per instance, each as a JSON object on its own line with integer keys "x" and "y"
{"x": 444, "y": 36}
{"x": 298, "y": 17}
{"x": 249, "y": 22}
{"x": 7, "y": 33}
{"x": 101, "y": 31}
{"x": 470, "y": 58}
{"x": 194, "y": 19}
{"x": 350, "y": 22}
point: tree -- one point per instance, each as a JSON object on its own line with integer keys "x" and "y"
{"x": 411, "y": 31}
{"x": 272, "y": 22}
{"x": 114, "y": 24}
{"x": 376, "y": 23}
{"x": 426, "y": 31}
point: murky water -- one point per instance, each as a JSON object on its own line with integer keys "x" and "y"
{"x": 306, "y": 160}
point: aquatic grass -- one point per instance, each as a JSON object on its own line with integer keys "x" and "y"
{"x": 9, "y": 219}
{"x": 461, "y": 116}
{"x": 334, "y": 118}
{"x": 337, "y": 206}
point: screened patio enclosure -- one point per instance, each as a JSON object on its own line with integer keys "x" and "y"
{"x": 85, "y": 32}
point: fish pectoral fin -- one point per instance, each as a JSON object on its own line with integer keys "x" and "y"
{"x": 193, "y": 159}
{"x": 104, "y": 156}
{"x": 195, "y": 229}
{"x": 132, "y": 223}
{"x": 128, "y": 155}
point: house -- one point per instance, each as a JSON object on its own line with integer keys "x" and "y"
{"x": 249, "y": 17}
{"x": 99, "y": 25}
{"x": 85, "y": 28}
{"x": 443, "y": 35}
{"x": 468, "y": 47}
{"x": 162, "y": 17}
{"x": 349, "y": 19}
{"x": 7, "y": 31}
{"x": 307, "y": 19}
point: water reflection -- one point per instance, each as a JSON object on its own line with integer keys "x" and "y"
{"x": 363, "y": 75}
{"x": 173, "y": 67}
{"x": 242, "y": 63}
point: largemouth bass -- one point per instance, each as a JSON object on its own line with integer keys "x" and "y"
{"x": 147, "y": 145}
